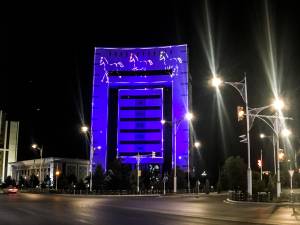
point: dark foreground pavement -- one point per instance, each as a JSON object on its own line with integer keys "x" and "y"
{"x": 39, "y": 209}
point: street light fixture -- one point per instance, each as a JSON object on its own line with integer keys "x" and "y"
{"x": 286, "y": 132}
{"x": 35, "y": 146}
{"x": 216, "y": 81}
{"x": 56, "y": 174}
{"x": 197, "y": 144}
{"x": 241, "y": 87}
{"x": 262, "y": 135}
{"x": 175, "y": 124}
{"x": 85, "y": 130}
{"x": 278, "y": 104}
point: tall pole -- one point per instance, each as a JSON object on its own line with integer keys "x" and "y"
{"x": 175, "y": 157}
{"x": 277, "y": 148}
{"x": 137, "y": 172}
{"x": 189, "y": 185}
{"x": 41, "y": 154}
{"x": 274, "y": 150}
{"x": 249, "y": 172}
{"x": 261, "y": 164}
{"x": 56, "y": 175}
{"x": 91, "y": 161}
{"x": 295, "y": 156}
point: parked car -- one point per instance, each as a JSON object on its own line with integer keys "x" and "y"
{"x": 10, "y": 190}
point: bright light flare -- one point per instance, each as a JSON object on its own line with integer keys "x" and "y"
{"x": 262, "y": 135}
{"x": 278, "y": 104}
{"x": 84, "y": 129}
{"x": 216, "y": 82}
{"x": 197, "y": 144}
{"x": 162, "y": 122}
{"x": 241, "y": 113}
{"x": 281, "y": 155}
{"x": 286, "y": 132}
{"x": 34, "y": 146}
{"x": 189, "y": 116}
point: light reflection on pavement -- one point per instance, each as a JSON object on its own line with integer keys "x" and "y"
{"x": 54, "y": 209}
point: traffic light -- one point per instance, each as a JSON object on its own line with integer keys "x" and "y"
{"x": 240, "y": 113}
{"x": 259, "y": 163}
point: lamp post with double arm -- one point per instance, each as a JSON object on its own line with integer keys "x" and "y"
{"x": 175, "y": 124}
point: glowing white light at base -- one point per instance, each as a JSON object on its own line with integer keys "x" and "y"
{"x": 286, "y": 132}
{"x": 216, "y": 81}
{"x": 84, "y": 129}
{"x": 278, "y": 104}
{"x": 189, "y": 116}
{"x": 197, "y": 144}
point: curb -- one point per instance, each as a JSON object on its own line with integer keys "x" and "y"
{"x": 105, "y": 196}
{"x": 262, "y": 203}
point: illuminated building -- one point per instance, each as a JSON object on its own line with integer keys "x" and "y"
{"x": 50, "y": 165}
{"x": 134, "y": 89}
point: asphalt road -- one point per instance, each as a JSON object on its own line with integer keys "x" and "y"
{"x": 34, "y": 209}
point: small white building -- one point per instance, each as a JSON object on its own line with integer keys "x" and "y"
{"x": 9, "y": 133}
{"x": 65, "y": 166}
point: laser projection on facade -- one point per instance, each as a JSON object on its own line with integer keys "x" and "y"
{"x": 134, "y": 89}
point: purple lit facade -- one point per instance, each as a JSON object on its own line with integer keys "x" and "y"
{"x": 139, "y": 77}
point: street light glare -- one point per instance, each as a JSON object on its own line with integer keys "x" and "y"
{"x": 286, "y": 132}
{"x": 262, "y": 135}
{"x": 197, "y": 144}
{"x": 34, "y": 146}
{"x": 278, "y": 104}
{"x": 216, "y": 81}
{"x": 189, "y": 116}
{"x": 84, "y": 129}
{"x": 281, "y": 155}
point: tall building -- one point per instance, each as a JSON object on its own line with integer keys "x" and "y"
{"x": 9, "y": 133}
{"x": 134, "y": 90}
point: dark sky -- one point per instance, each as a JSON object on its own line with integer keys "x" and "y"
{"x": 47, "y": 65}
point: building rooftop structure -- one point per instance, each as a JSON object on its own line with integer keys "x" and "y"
{"x": 9, "y": 133}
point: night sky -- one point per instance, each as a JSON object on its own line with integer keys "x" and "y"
{"x": 47, "y": 67}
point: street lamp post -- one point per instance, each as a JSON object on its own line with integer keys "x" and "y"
{"x": 278, "y": 163}
{"x": 278, "y": 105}
{"x": 291, "y": 172}
{"x": 56, "y": 175}
{"x": 249, "y": 172}
{"x": 85, "y": 130}
{"x": 175, "y": 124}
{"x": 241, "y": 87}
{"x": 263, "y": 136}
{"x": 197, "y": 146}
{"x": 138, "y": 160}
{"x": 35, "y": 146}
{"x": 175, "y": 127}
